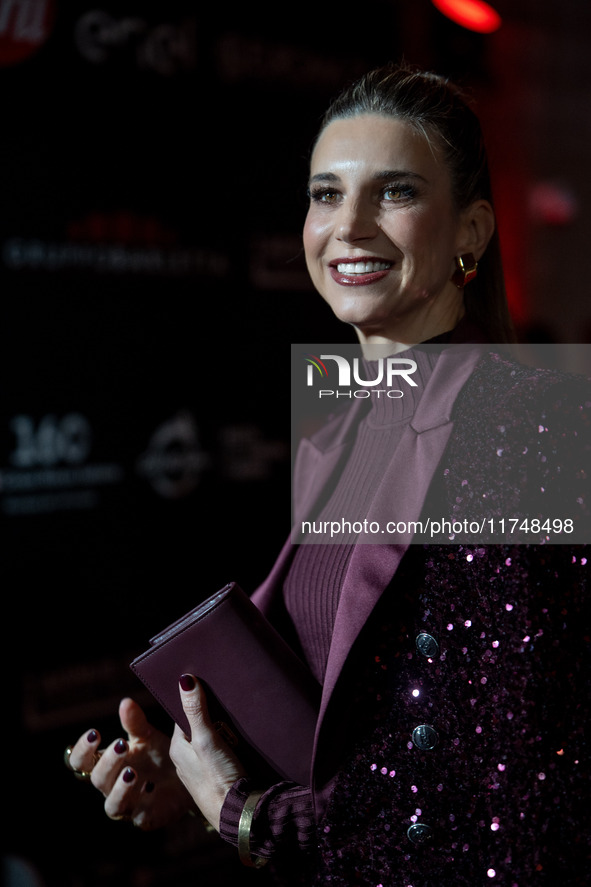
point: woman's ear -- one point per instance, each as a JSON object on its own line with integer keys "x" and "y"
{"x": 476, "y": 229}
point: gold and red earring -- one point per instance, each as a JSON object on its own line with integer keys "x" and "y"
{"x": 466, "y": 270}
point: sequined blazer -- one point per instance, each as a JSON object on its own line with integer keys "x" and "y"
{"x": 452, "y": 745}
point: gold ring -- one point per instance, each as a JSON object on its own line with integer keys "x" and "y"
{"x": 82, "y": 775}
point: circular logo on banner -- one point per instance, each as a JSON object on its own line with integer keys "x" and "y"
{"x": 25, "y": 25}
{"x": 174, "y": 461}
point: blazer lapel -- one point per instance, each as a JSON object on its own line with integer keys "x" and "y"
{"x": 318, "y": 460}
{"x": 400, "y": 497}
{"x": 316, "y": 464}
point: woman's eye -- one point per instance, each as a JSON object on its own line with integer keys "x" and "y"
{"x": 324, "y": 196}
{"x": 398, "y": 193}
{"x": 330, "y": 197}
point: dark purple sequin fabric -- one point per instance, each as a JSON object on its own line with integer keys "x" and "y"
{"x": 471, "y": 714}
{"x": 518, "y": 463}
{"x": 475, "y": 765}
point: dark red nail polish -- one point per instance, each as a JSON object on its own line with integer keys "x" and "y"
{"x": 92, "y": 736}
{"x": 149, "y": 787}
{"x": 187, "y": 682}
{"x": 128, "y": 775}
{"x": 120, "y": 747}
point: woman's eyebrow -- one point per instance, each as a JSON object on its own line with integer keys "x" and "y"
{"x": 325, "y": 177}
{"x": 386, "y": 174}
{"x": 380, "y": 176}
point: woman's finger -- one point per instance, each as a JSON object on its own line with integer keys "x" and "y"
{"x": 108, "y": 769}
{"x": 195, "y": 707}
{"x": 122, "y": 800}
{"x": 129, "y": 799}
{"x": 84, "y": 754}
{"x": 134, "y": 721}
{"x": 204, "y": 762}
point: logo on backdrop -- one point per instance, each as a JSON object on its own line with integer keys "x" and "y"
{"x": 49, "y": 468}
{"x": 174, "y": 460}
{"x": 164, "y": 48}
{"x": 115, "y": 243}
{"x": 25, "y": 25}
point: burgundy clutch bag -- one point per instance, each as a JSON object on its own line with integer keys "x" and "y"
{"x": 256, "y": 685}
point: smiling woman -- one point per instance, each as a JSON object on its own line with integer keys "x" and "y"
{"x": 383, "y": 230}
{"x": 450, "y": 745}
{"x": 437, "y": 127}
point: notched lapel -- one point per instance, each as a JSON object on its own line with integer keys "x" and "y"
{"x": 400, "y": 497}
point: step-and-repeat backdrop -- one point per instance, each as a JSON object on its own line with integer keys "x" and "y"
{"x": 153, "y": 191}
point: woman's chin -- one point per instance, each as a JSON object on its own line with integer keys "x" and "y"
{"x": 365, "y": 322}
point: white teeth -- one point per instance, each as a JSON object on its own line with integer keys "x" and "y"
{"x": 362, "y": 267}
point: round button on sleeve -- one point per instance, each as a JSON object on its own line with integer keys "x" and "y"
{"x": 425, "y": 737}
{"x": 420, "y": 833}
{"x": 427, "y": 645}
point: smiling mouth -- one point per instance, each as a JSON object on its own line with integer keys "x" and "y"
{"x": 362, "y": 267}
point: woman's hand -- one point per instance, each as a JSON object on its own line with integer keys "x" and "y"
{"x": 205, "y": 764}
{"x": 135, "y": 774}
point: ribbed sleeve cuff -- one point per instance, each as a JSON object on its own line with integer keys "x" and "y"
{"x": 232, "y": 810}
{"x": 283, "y": 817}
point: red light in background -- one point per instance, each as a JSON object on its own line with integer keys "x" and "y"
{"x": 476, "y": 15}
{"x": 552, "y": 203}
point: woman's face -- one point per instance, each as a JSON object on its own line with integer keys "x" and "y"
{"x": 382, "y": 232}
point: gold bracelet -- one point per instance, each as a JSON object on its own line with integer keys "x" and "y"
{"x": 244, "y": 827}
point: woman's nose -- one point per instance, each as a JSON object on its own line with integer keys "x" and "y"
{"x": 356, "y": 221}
